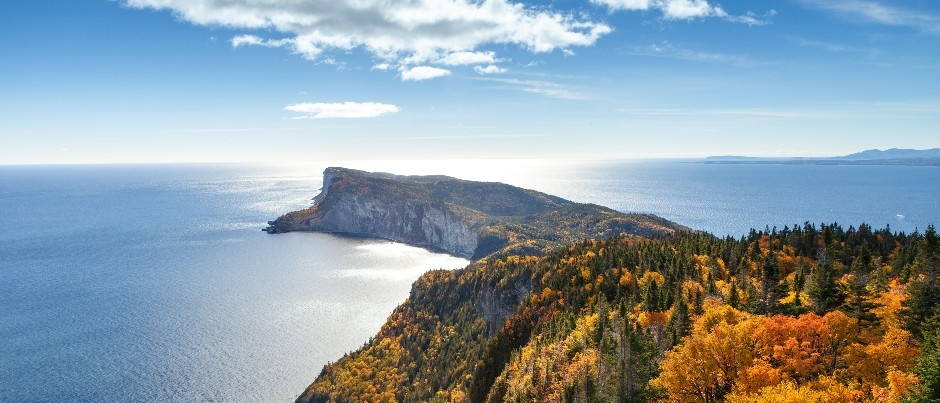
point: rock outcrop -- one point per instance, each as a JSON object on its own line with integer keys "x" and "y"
{"x": 463, "y": 218}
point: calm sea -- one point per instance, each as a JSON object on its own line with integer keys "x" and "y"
{"x": 130, "y": 283}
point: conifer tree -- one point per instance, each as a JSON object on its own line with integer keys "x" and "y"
{"x": 823, "y": 292}
{"x": 859, "y": 303}
{"x": 927, "y": 368}
{"x": 734, "y": 300}
{"x": 924, "y": 295}
{"x": 651, "y": 301}
{"x": 680, "y": 322}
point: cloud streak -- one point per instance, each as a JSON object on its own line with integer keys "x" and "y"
{"x": 876, "y": 12}
{"x": 666, "y": 49}
{"x": 540, "y": 87}
{"x": 342, "y": 110}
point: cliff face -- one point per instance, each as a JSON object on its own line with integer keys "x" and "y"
{"x": 464, "y": 218}
{"x": 431, "y": 225}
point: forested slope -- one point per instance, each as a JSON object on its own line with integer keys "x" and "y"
{"x": 800, "y": 314}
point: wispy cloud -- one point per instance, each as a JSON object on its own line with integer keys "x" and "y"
{"x": 667, "y": 49}
{"x": 686, "y": 10}
{"x": 540, "y": 87}
{"x": 342, "y": 110}
{"x": 832, "y": 47}
{"x": 420, "y": 73}
{"x": 726, "y": 112}
{"x": 876, "y": 12}
{"x": 841, "y": 110}
{"x": 401, "y": 33}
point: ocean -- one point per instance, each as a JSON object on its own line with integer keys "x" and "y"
{"x": 155, "y": 282}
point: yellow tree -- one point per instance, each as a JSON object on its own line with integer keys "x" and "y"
{"x": 705, "y": 367}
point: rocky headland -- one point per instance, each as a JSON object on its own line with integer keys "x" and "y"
{"x": 464, "y": 218}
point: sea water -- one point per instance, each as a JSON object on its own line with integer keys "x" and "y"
{"x": 154, "y": 282}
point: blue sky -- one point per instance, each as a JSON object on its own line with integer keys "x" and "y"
{"x": 286, "y": 80}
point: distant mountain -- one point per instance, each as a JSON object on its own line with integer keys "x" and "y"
{"x": 893, "y": 154}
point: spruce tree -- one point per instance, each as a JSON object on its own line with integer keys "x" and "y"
{"x": 927, "y": 369}
{"x": 859, "y": 303}
{"x": 734, "y": 300}
{"x": 680, "y": 322}
{"x": 822, "y": 290}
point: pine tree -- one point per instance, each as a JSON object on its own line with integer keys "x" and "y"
{"x": 927, "y": 368}
{"x": 680, "y": 322}
{"x": 923, "y": 302}
{"x": 822, "y": 290}
{"x": 651, "y": 301}
{"x": 636, "y": 362}
{"x": 770, "y": 284}
{"x": 859, "y": 303}
{"x": 734, "y": 300}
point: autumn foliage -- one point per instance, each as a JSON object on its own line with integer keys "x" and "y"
{"x": 804, "y": 314}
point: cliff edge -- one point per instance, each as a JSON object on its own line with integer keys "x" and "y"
{"x": 464, "y": 218}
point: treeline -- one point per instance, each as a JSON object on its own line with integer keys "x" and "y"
{"x": 820, "y": 313}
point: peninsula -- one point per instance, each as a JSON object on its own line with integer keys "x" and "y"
{"x": 464, "y": 218}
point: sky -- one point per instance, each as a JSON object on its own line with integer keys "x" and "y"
{"x": 118, "y": 81}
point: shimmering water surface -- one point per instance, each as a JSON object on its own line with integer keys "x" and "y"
{"x": 129, "y": 283}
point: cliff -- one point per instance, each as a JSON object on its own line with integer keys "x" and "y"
{"x": 464, "y": 218}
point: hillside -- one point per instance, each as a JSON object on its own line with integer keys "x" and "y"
{"x": 464, "y": 218}
{"x": 801, "y": 314}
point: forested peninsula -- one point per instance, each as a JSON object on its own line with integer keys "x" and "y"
{"x": 808, "y": 312}
{"x": 464, "y": 218}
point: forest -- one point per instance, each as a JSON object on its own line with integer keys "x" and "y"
{"x": 804, "y": 313}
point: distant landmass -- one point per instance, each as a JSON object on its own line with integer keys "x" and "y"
{"x": 894, "y": 156}
{"x": 464, "y": 218}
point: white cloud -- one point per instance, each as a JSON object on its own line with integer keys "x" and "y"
{"x": 246, "y": 40}
{"x": 688, "y": 9}
{"x": 464, "y": 58}
{"x": 624, "y": 4}
{"x": 342, "y": 110}
{"x": 491, "y": 69}
{"x": 873, "y": 11}
{"x": 419, "y": 73}
{"x": 684, "y": 10}
{"x": 392, "y": 31}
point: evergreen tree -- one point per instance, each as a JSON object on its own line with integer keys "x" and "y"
{"x": 924, "y": 295}
{"x": 859, "y": 303}
{"x": 734, "y": 300}
{"x": 651, "y": 301}
{"x": 927, "y": 369}
{"x": 770, "y": 284}
{"x": 636, "y": 362}
{"x": 680, "y": 322}
{"x": 822, "y": 290}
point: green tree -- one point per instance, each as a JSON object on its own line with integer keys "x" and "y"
{"x": 822, "y": 290}
{"x": 927, "y": 368}
{"x": 680, "y": 322}
{"x": 734, "y": 300}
